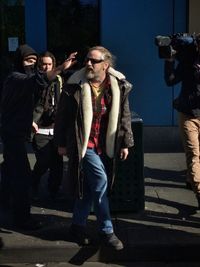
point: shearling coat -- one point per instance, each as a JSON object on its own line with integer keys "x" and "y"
{"x": 74, "y": 119}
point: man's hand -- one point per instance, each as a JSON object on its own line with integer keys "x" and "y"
{"x": 51, "y": 75}
{"x": 124, "y": 153}
{"x": 70, "y": 61}
{"x": 170, "y": 59}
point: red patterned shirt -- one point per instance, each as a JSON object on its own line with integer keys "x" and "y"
{"x": 101, "y": 106}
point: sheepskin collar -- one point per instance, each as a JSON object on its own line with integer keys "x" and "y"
{"x": 79, "y": 78}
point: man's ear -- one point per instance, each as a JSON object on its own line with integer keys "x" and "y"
{"x": 106, "y": 66}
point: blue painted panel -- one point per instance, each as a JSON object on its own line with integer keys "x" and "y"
{"x": 35, "y": 24}
{"x": 128, "y": 29}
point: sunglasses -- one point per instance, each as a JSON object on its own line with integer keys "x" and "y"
{"x": 93, "y": 60}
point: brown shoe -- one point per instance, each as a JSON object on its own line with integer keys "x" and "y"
{"x": 111, "y": 240}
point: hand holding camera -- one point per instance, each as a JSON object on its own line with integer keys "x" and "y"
{"x": 180, "y": 46}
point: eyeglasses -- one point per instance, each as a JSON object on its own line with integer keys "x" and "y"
{"x": 93, "y": 60}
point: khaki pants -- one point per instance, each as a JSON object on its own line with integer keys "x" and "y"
{"x": 190, "y": 134}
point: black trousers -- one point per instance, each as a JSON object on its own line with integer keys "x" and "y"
{"x": 16, "y": 178}
{"x": 47, "y": 158}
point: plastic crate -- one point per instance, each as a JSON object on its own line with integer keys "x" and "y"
{"x": 128, "y": 191}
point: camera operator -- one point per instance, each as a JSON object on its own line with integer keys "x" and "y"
{"x": 187, "y": 71}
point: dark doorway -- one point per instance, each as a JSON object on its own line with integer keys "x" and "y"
{"x": 12, "y": 33}
{"x": 72, "y": 25}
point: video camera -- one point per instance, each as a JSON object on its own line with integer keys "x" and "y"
{"x": 181, "y": 45}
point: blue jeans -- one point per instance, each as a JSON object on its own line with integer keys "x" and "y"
{"x": 94, "y": 192}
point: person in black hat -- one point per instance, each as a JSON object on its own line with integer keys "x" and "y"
{"x": 20, "y": 92}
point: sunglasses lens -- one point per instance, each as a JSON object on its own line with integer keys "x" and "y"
{"x": 94, "y": 61}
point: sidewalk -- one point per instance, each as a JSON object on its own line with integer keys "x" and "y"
{"x": 168, "y": 229}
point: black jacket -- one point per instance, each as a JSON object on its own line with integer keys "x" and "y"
{"x": 188, "y": 101}
{"x": 45, "y": 109}
{"x": 19, "y": 94}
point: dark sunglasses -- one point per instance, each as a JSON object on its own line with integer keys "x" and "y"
{"x": 93, "y": 60}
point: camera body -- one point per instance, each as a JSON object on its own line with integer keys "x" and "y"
{"x": 182, "y": 46}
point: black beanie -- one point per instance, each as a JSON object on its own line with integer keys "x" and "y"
{"x": 22, "y": 52}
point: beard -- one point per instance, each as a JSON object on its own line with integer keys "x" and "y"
{"x": 91, "y": 75}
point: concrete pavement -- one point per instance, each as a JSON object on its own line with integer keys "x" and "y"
{"x": 168, "y": 230}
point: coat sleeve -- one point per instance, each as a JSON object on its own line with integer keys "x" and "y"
{"x": 172, "y": 73}
{"x": 125, "y": 131}
{"x": 64, "y": 128}
{"x": 60, "y": 127}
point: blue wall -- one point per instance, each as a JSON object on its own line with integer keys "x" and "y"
{"x": 35, "y": 24}
{"x": 128, "y": 29}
